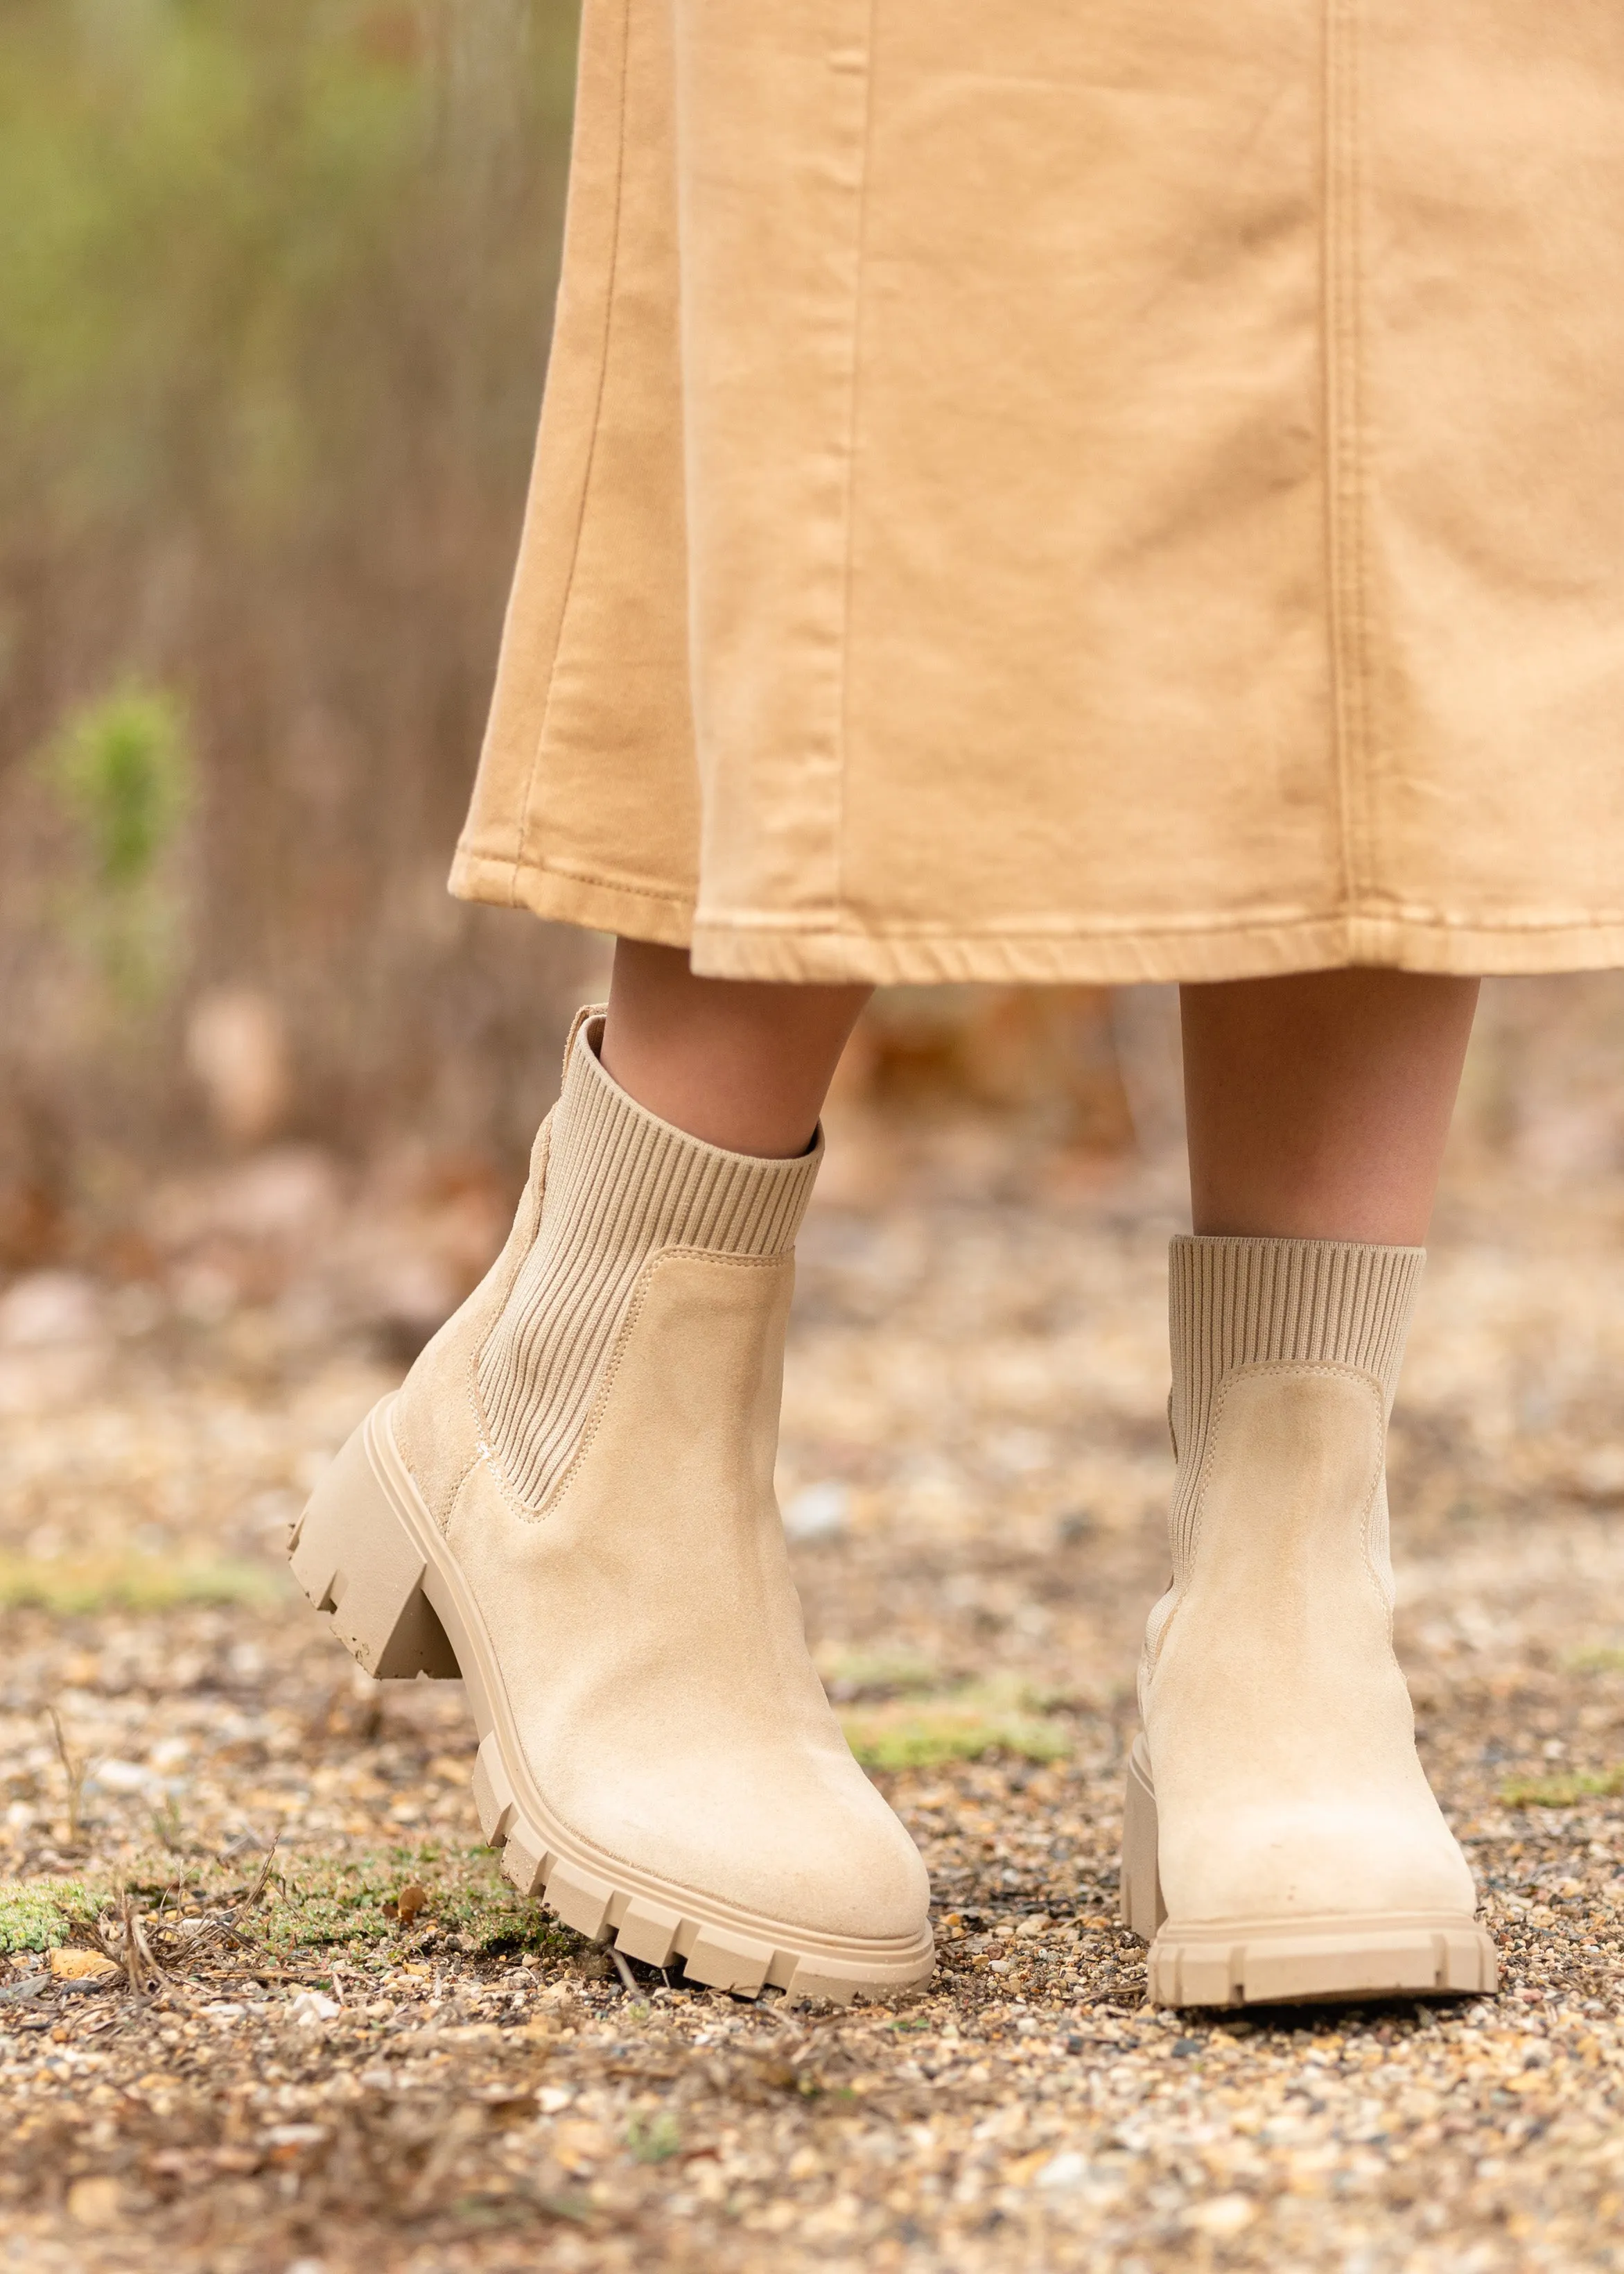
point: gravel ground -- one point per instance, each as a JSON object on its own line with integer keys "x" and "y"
{"x": 327, "y": 2039}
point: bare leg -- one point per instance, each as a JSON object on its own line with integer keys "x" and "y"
{"x": 1319, "y": 1103}
{"x": 735, "y": 1062}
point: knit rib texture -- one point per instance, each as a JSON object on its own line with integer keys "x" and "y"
{"x": 1246, "y": 1302}
{"x": 621, "y": 1184}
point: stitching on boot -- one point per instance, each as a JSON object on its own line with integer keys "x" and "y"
{"x": 1296, "y": 1369}
{"x": 530, "y": 1201}
{"x": 540, "y": 1510}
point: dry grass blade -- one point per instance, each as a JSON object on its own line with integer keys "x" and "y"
{"x": 129, "y": 1953}
{"x": 75, "y": 1768}
{"x": 262, "y": 1877}
{"x": 130, "y": 1948}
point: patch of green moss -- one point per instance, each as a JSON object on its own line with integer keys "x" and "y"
{"x": 850, "y": 1671}
{"x": 1604, "y": 1659}
{"x": 963, "y": 1725}
{"x": 1566, "y": 1789}
{"x": 70, "y": 1586}
{"x": 41, "y": 1914}
{"x": 308, "y": 1903}
{"x": 313, "y": 1904}
{"x": 653, "y": 2139}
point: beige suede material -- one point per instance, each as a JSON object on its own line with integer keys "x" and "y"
{"x": 1278, "y": 1726}
{"x": 649, "y": 1633}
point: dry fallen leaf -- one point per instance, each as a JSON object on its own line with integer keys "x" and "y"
{"x": 411, "y": 1900}
{"x": 69, "y": 1965}
{"x": 95, "y": 2202}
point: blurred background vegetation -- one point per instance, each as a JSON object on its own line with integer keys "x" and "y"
{"x": 275, "y": 279}
{"x": 275, "y": 282}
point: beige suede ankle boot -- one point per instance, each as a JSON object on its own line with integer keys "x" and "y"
{"x": 1280, "y": 1840}
{"x": 570, "y": 1503}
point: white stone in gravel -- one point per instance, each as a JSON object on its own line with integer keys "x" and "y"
{"x": 817, "y": 1511}
{"x": 310, "y": 2009}
{"x": 1222, "y": 2215}
{"x": 122, "y": 1776}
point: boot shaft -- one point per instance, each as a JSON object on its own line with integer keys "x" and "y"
{"x": 619, "y": 1188}
{"x": 1235, "y": 1304}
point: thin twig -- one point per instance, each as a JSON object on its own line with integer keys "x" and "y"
{"x": 146, "y": 1949}
{"x": 271, "y": 1973}
{"x": 624, "y": 1972}
{"x": 129, "y": 1954}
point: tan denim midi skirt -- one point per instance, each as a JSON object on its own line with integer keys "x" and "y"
{"x": 1079, "y": 490}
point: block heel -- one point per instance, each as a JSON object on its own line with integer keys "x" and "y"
{"x": 359, "y": 1562}
{"x": 1143, "y": 1910}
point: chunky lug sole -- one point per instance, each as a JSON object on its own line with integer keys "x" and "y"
{"x": 1279, "y": 1962}
{"x": 367, "y": 1553}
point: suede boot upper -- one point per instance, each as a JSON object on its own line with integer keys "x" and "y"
{"x": 1279, "y": 1727}
{"x": 593, "y": 1438}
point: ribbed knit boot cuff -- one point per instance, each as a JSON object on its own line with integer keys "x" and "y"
{"x": 621, "y": 1184}
{"x": 1238, "y": 1301}
{"x": 634, "y": 1178}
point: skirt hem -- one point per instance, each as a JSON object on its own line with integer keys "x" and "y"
{"x": 595, "y": 903}
{"x": 833, "y": 955}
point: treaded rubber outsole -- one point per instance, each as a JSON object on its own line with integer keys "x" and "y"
{"x": 1278, "y": 1962}
{"x": 367, "y": 1553}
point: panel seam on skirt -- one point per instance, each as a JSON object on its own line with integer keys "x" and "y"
{"x": 848, "y": 576}
{"x": 591, "y": 448}
{"x": 1363, "y": 657}
{"x": 1340, "y": 382}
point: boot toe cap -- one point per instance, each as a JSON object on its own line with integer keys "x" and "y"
{"x": 1311, "y": 1860}
{"x": 806, "y": 1843}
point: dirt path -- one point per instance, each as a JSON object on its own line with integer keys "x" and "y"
{"x": 344, "y": 2046}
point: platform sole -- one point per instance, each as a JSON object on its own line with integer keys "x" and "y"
{"x": 367, "y": 1553}
{"x": 1300, "y": 1962}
